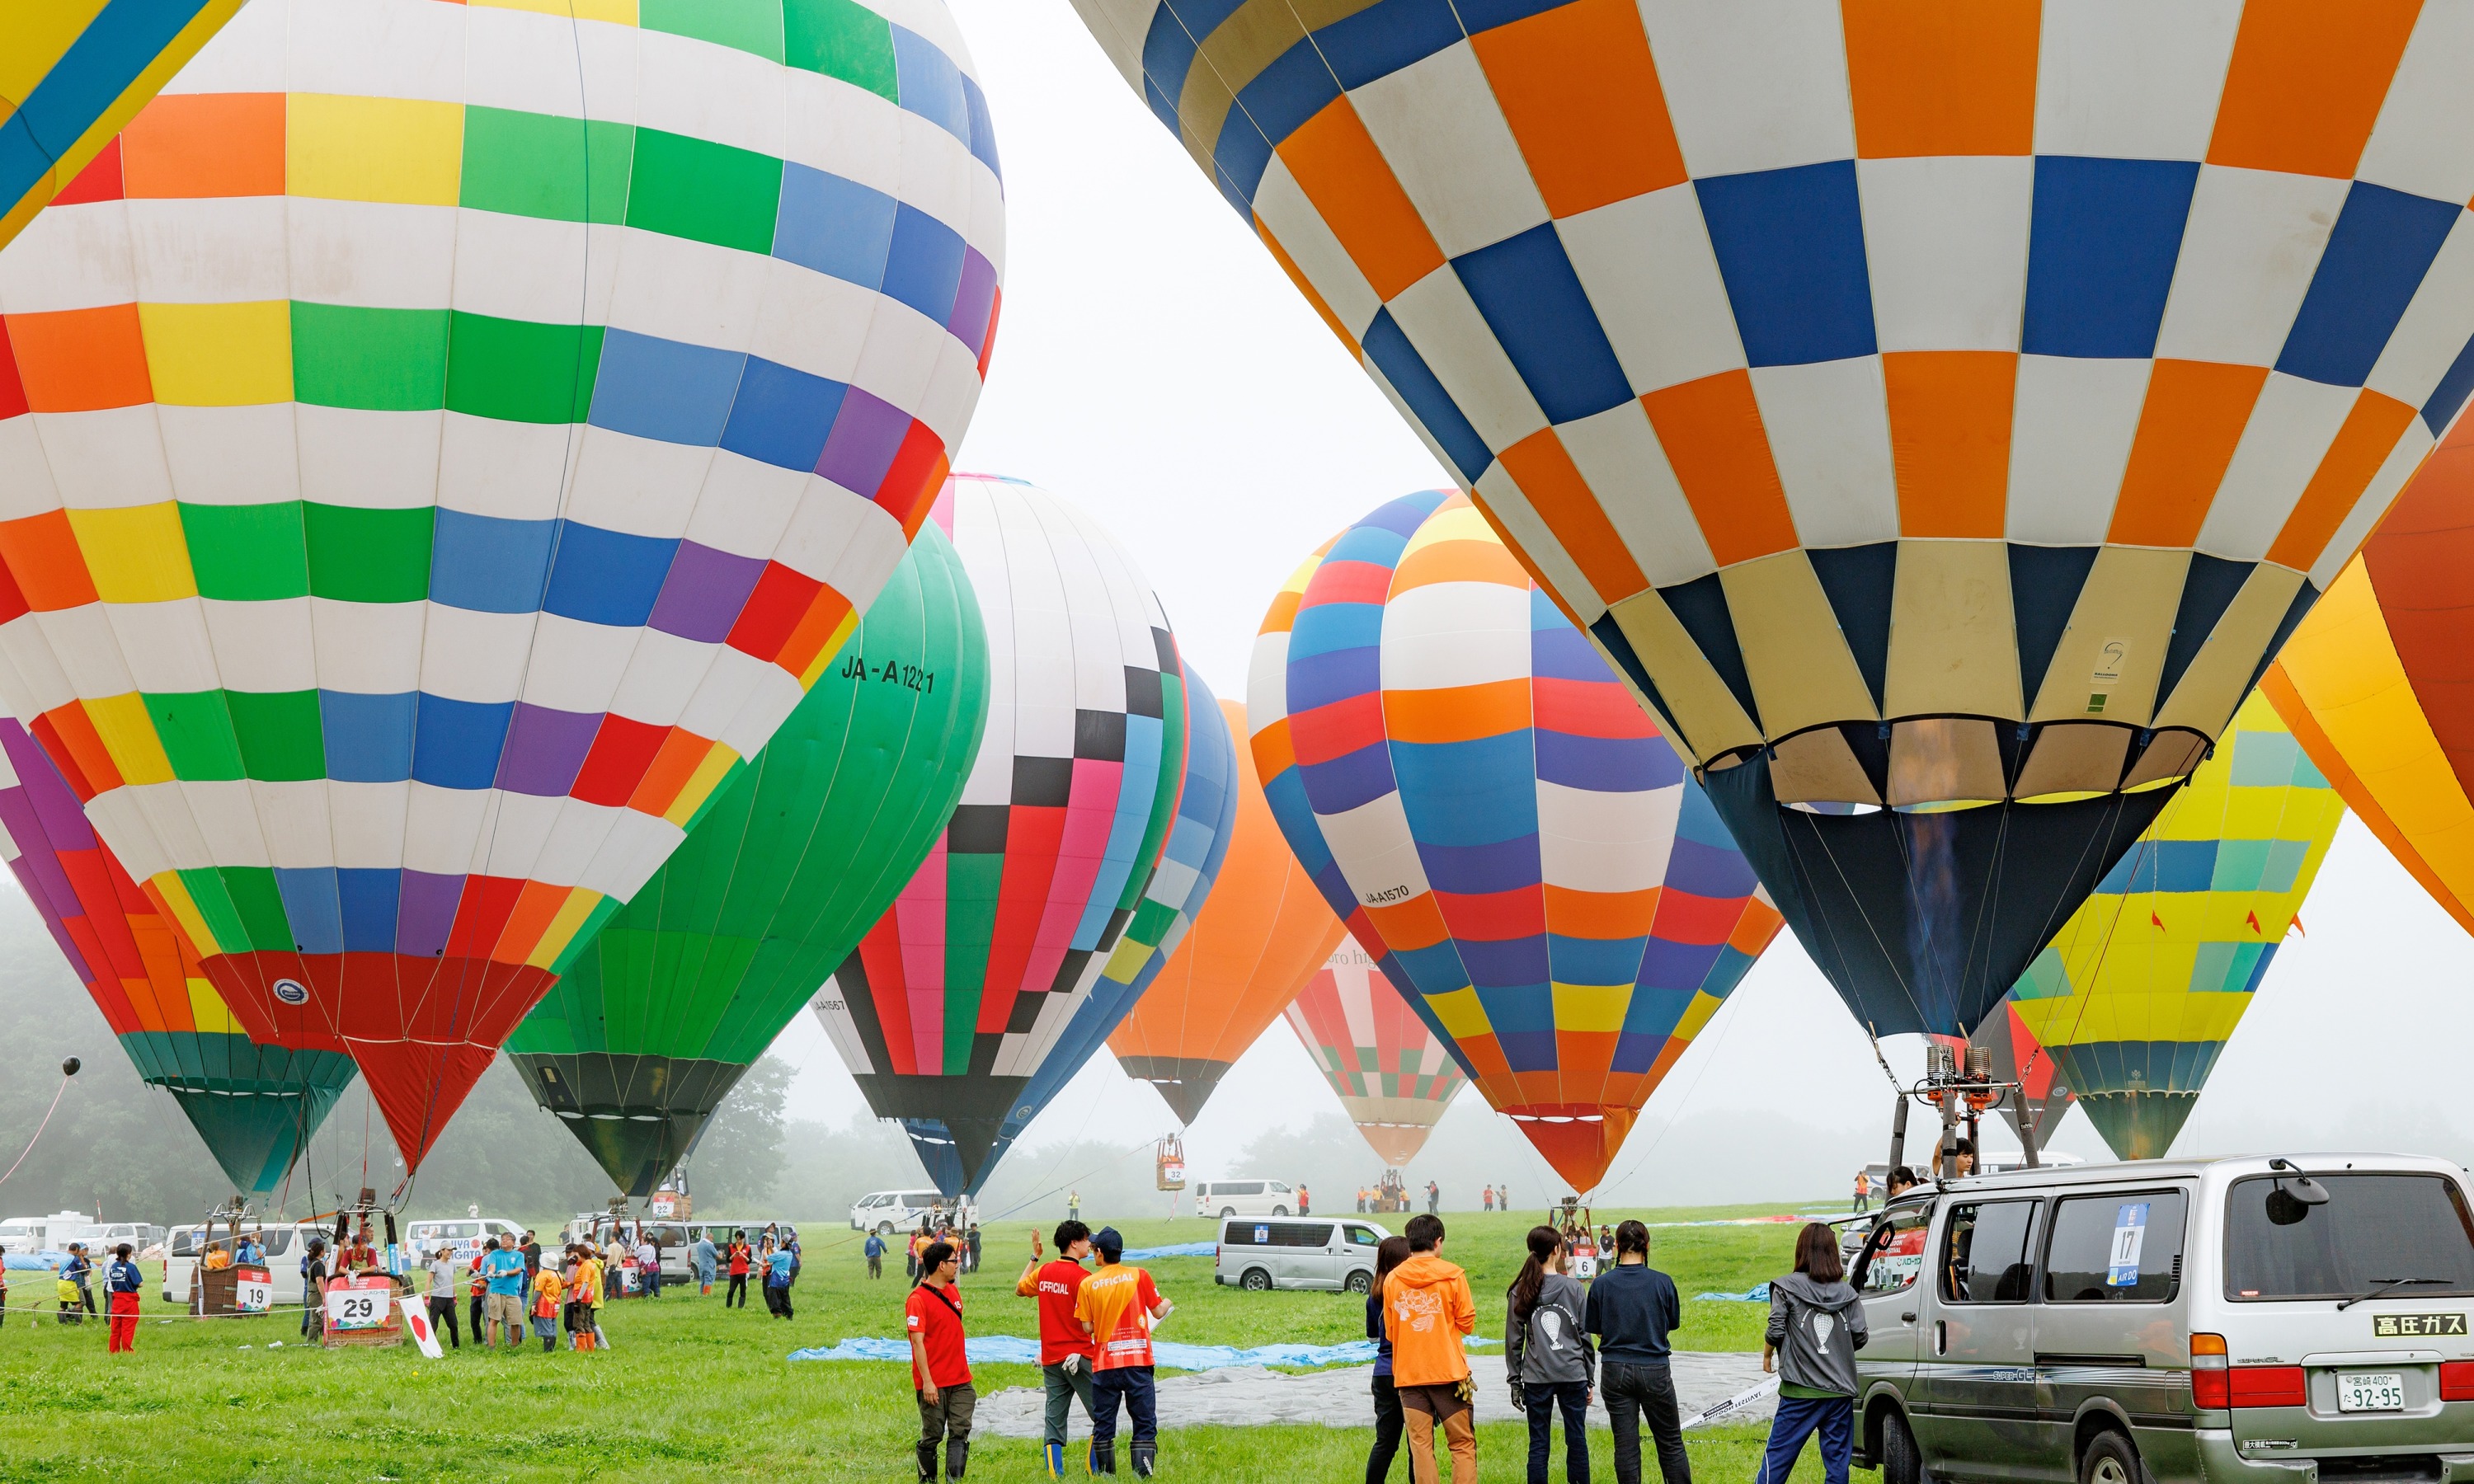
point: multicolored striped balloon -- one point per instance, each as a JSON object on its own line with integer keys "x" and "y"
{"x": 256, "y": 1105}
{"x": 1921, "y": 404}
{"x": 1393, "y": 1078}
{"x": 2374, "y": 682}
{"x": 959, "y": 997}
{"x": 445, "y": 440}
{"x": 2139, "y": 990}
{"x": 1493, "y": 818}
{"x": 71, "y": 74}
{"x": 1262, "y": 933}
{"x": 667, "y": 1006}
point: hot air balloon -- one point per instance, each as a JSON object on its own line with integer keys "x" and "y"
{"x": 2139, "y": 993}
{"x": 2374, "y": 682}
{"x": 255, "y": 1104}
{"x": 1940, "y": 409}
{"x": 447, "y": 440}
{"x": 2018, "y": 1056}
{"x": 1475, "y": 794}
{"x": 958, "y": 996}
{"x": 71, "y": 76}
{"x": 652, "y": 1024}
{"x": 1395, "y": 1079}
{"x": 1263, "y": 933}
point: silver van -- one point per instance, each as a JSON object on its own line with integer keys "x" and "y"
{"x": 2287, "y": 1321}
{"x": 1267, "y": 1253}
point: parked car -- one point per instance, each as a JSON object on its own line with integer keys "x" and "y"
{"x": 466, "y": 1235}
{"x": 2173, "y": 1321}
{"x": 1226, "y": 1198}
{"x": 887, "y": 1211}
{"x": 1312, "y": 1252}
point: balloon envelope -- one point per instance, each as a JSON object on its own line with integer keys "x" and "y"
{"x": 1922, "y": 405}
{"x": 2375, "y": 682}
{"x": 956, "y": 997}
{"x": 2018, "y": 1056}
{"x": 2138, "y": 993}
{"x": 453, "y": 440}
{"x": 255, "y": 1104}
{"x": 1255, "y": 942}
{"x": 74, "y": 72}
{"x": 1393, "y": 1078}
{"x": 1471, "y": 789}
{"x": 653, "y": 1024}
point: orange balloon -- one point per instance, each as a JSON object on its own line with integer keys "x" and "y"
{"x": 1262, "y": 933}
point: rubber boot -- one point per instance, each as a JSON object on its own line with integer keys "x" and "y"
{"x": 1104, "y": 1458}
{"x": 1054, "y": 1458}
{"x": 957, "y": 1458}
{"x": 1144, "y": 1454}
{"x": 927, "y": 1462}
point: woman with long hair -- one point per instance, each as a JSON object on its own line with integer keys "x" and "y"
{"x": 1387, "y": 1421}
{"x": 1547, "y": 1355}
{"x": 1816, "y": 1326}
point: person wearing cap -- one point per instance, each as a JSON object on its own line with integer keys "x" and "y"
{"x": 941, "y": 1372}
{"x": 1065, "y": 1351}
{"x": 1118, "y": 1307}
{"x": 121, "y": 1280}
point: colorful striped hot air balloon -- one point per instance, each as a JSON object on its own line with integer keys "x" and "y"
{"x": 959, "y": 995}
{"x": 1395, "y": 1079}
{"x": 2375, "y": 683}
{"x": 256, "y": 1105}
{"x": 653, "y": 1024}
{"x": 447, "y": 440}
{"x": 72, "y": 72}
{"x": 2138, "y": 993}
{"x": 1261, "y": 934}
{"x": 1476, "y": 796}
{"x": 1924, "y": 404}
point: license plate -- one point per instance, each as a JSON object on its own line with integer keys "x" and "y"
{"x": 2370, "y": 1390}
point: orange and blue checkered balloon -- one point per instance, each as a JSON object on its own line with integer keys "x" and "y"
{"x": 1477, "y": 796}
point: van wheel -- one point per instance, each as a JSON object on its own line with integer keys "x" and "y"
{"x": 1901, "y": 1463}
{"x": 2110, "y": 1459}
{"x": 884, "y": 1228}
{"x": 1361, "y": 1281}
{"x": 1279, "y": 1210}
{"x": 1226, "y": 1212}
{"x": 1255, "y": 1281}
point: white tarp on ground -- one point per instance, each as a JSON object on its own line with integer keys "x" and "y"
{"x": 1250, "y": 1396}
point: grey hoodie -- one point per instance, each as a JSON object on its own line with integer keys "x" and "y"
{"x": 1551, "y": 1347}
{"x": 1816, "y": 1329}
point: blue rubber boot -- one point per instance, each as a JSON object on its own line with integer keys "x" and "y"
{"x": 1056, "y": 1460}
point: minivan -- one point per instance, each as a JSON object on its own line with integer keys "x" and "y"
{"x": 1226, "y": 1198}
{"x": 465, "y": 1235}
{"x": 284, "y": 1242}
{"x": 2291, "y": 1321}
{"x": 887, "y": 1211}
{"x": 1259, "y": 1255}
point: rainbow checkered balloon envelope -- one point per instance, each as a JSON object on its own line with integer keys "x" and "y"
{"x": 443, "y": 441}
{"x": 1478, "y": 798}
{"x": 256, "y": 1105}
{"x": 2138, "y": 993}
{"x": 1947, "y": 403}
{"x": 951, "y": 1005}
{"x": 1393, "y": 1077}
{"x": 71, "y": 74}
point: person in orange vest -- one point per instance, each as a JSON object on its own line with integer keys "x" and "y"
{"x": 1118, "y": 1307}
{"x": 1427, "y": 1309}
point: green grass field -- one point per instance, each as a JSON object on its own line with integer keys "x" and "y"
{"x": 693, "y": 1391}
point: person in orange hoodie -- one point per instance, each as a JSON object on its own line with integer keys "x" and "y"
{"x": 1427, "y": 1309}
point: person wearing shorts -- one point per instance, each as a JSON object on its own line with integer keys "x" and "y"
{"x": 503, "y": 1269}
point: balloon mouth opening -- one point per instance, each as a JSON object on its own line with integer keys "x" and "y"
{"x": 1543, "y": 1118}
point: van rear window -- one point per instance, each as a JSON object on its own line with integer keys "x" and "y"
{"x": 2122, "y": 1248}
{"x": 2373, "y": 1230}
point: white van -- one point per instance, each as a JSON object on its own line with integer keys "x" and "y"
{"x": 2175, "y": 1321}
{"x": 1226, "y": 1198}
{"x": 887, "y": 1211}
{"x": 1259, "y": 1255}
{"x": 467, "y": 1235}
{"x": 284, "y": 1242}
{"x": 51, "y": 1233}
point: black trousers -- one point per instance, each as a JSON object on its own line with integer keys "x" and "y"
{"x": 1388, "y": 1424}
{"x": 777, "y": 1299}
{"x": 737, "y": 1292}
{"x": 479, "y": 1308}
{"x": 1542, "y": 1401}
{"x": 442, "y": 1316}
{"x": 1637, "y": 1394}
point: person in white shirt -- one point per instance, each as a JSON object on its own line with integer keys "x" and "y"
{"x": 648, "y": 1259}
{"x": 441, "y": 1286}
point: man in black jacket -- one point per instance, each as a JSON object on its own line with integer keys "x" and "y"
{"x": 1633, "y": 1307}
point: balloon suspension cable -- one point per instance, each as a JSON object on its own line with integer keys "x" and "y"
{"x": 68, "y": 1069}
